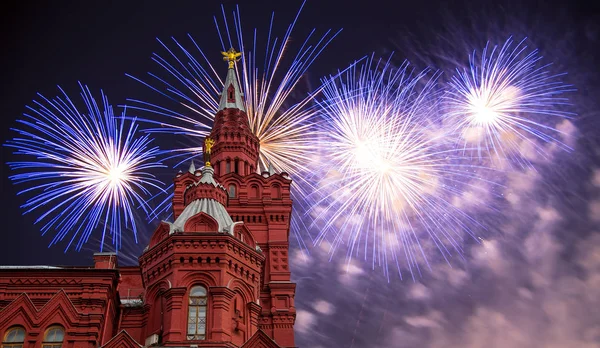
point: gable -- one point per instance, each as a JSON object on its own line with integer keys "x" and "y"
{"x": 241, "y": 232}
{"x": 260, "y": 340}
{"x": 161, "y": 232}
{"x": 201, "y": 222}
{"x": 59, "y": 308}
{"x": 122, "y": 340}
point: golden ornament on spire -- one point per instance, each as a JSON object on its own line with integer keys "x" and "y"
{"x": 208, "y": 145}
{"x": 231, "y": 56}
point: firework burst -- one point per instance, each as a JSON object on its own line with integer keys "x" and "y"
{"x": 268, "y": 81}
{"x": 507, "y": 102}
{"x": 194, "y": 84}
{"x": 85, "y": 171}
{"x": 390, "y": 176}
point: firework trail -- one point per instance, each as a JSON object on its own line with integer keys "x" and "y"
{"x": 85, "y": 170}
{"x": 268, "y": 82}
{"x": 130, "y": 249}
{"x": 266, "y": 85}
{"x": 505, "y": 101}
{"x": 390, "y": 176}
{"x": 132, "y": 245}
{"x": 454, "y": 38}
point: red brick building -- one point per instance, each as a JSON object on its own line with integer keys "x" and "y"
{"x": 217, "y": 276}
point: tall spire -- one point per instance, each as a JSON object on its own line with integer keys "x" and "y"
{"x": 231, "y": 97}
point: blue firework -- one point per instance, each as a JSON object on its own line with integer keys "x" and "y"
{"x": 390, "y": 179}
{"x": 280, "y": 119}
{"x": 508, "y": 104}
{"x": 84, "y": 171}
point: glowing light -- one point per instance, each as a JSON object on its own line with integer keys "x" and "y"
{"x": 116, "y": 176}
{"x": 506, "y": 101}
{"x": 388, "y": 178}
{"x": 86, "y": 171}
{"x": 268, "y": 81}
{"x": 266, "y": 85}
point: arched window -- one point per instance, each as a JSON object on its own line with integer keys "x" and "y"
{"x": 53, "y": 338}
{"x": 197, "y": 313}
{"x": 14, "y": 338}
{"x": 232, "y": 191}
{"x": 228, "y": 167}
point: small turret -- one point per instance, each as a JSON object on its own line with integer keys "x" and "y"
{"x": 205, "y": 196}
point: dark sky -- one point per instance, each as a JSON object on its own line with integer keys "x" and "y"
{"x": 45, "y": 45}
{"x": 508, "y": 294}
{"x": 48, "y": 45}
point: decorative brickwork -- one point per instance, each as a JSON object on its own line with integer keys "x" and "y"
{"x": 218, "y": 276}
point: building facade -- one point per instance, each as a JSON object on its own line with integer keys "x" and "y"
{"x": 217, "y": 276}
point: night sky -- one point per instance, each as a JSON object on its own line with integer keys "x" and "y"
{"x": 534, "y": 283}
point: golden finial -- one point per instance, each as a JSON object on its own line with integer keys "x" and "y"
{"x": 231, "y": 56}
{"x": 208, "y": 145}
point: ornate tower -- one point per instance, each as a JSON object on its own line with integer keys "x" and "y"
{"x": 235, "y": 146}
{"x": 218, "y": 274}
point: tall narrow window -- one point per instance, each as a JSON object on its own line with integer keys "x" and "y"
{"x": 231, "y": 94}
{"x": 228, "y": 167}
{"x": 53, "y": 338}
{"x": 197, "y": 314}
{"x": 232, "y": 191}
{"x": 14, "y": 338}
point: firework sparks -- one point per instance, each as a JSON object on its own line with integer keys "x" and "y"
{"x": 130, "y": 248}
{"x": 266, "y": 83}
{"x": 282, "y": 127}
{"x": 86, "y": 170}
{"x": 506, "y": 101}
{"x": 390, "y": 176}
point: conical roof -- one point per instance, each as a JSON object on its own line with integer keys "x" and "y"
{"x": 231, "y": 97}
{"x": 209, "y": 206}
